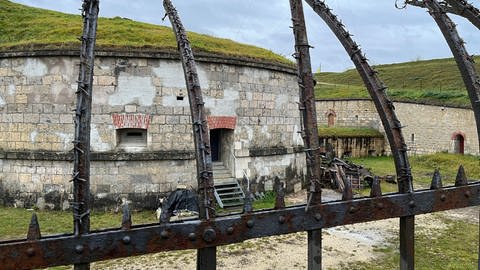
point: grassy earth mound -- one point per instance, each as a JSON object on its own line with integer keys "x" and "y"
{"x": 435, "y": 82}
{"x": 27, "y": 28}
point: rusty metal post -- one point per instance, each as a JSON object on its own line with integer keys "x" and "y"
{"x": 81, "y": 143}
{"x": 391, "y": 124}
{"x": 310, "y": 129}
{"x": 206, "y": 257}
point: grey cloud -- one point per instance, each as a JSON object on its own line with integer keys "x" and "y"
{"x": 385, "y": 33}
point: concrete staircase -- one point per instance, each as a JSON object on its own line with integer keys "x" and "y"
{"x": 228, "y": 192}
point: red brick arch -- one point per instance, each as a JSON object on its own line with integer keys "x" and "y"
{"x": 131, "y": 120}
{"x": 226, "y": 122}
{"x": 456, "y": 133}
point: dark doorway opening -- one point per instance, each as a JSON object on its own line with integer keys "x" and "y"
{"x": 215, "y": 136}
{"x": 459, "y": 144}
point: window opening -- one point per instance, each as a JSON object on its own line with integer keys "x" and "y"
{"x": 131, "y": 137}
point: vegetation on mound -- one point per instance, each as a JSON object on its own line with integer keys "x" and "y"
{"x": 348, "y": 132}
{"x": 28, "y": 28}
{"x": 436, "y": 82}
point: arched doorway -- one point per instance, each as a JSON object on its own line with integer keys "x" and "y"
{"x": 458, "y": 142}
{"x": 331, "y": 115}
{"x": 222, "y": 138}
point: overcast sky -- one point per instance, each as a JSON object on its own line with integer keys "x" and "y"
{"x": 386, "y": 34}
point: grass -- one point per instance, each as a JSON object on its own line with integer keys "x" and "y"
{"x": 435, "y": 82}
{"x": 14, "y": 221}
{"x": 423, "y": 168}
{"x": 454, "y": 247}
{"x": 28, "y": 28}
{"x": 343, "y": 132}
{"x": 268, "y": 201}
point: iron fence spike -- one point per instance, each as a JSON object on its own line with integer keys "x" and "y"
{"x": 436, "y": 180}
{"x": 279, "y": 194}
{"x": 376, "y": 190}
{"x": 461, "y": 179}
{"x": 34, "y": 229}
{"x": 126, "y": 217}
{"x": 247, "y": 203}
{"x": 347, "y": 191}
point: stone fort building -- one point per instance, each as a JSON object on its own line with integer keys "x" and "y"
{"x": 141, "y": 132}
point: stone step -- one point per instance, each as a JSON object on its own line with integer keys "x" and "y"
{"x": 221, "y": 175}
{"x": 224, "y": 181}
{"x": 228, "y": 193}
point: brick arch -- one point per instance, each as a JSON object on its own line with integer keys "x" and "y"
{"x": 225, "y": 122}
{"x": 331, "y": 112}
{"x": 331, "y": 116}
{"x": 458, "y": 139}
{"x": 456, "y": 133}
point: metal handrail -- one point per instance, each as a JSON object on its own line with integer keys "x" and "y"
{"x": 243, "y": 171}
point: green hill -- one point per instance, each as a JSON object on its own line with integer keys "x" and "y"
{"x": 28, "y": 28}
{"x": 436, "y": 82}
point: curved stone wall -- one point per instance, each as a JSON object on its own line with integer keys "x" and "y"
{"x": 141, "y": 128}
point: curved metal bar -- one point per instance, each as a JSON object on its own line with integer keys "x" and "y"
{"x": 376, "y": 89}
{"x": 464, "y": 9}
{"x": 457, "y": 7}
{"x": 391, "y": 124}
{"x": 464, "y": 61}
{"x": 206, "y": 257}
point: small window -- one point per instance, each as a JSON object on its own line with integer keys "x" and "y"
{"x": 412, "y": 138}
{"x": 179, "y": 97}
{"x": 132, "y": 137}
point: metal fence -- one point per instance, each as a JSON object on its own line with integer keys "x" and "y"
{"x": 206, "y": 233}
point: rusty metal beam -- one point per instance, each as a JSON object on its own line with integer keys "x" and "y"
{"x": 466, "y": 10}
{"x": 206, "y": 257}
{"x": 196, "y": 234}
{"x": 82, "y": 119}
{"x": 310, "y": 128}
{"x": 457, "y": 7}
